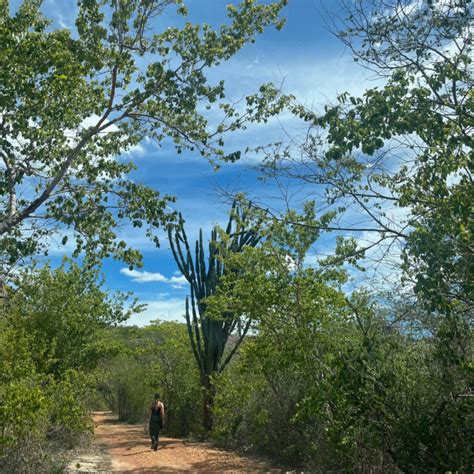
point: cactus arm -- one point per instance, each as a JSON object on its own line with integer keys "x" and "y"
{"x": 197, "y": 328}
{"x": 177, "y": 254}
{"x": 191, "y": 336}
{"x": 236, "y": 347}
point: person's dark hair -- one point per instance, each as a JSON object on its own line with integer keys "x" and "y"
{"x": 157, "y": 396}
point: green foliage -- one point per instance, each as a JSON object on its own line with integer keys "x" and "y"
{"x": 52, "y": 335}
{"x": 125, "y": 383}
{"x": 402, "y": 152}
{"x": 339, "y": 383}
{"x": 156, "y": 358}
{"x": 289, "y": 306}
{"x": 175, "y": 369}
{"x": 255, "y": 409}
{"x": 339, "y": 387}
{"x": 386, "y": 386}
{"x": 73, "y": 100}
{"x": 400, "y": 395}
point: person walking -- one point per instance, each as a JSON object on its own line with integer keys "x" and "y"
{"x": 157, "y": 419}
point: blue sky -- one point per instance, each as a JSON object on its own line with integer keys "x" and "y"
{"x": 312, "y": 64}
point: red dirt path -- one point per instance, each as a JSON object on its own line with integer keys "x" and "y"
{"x": 129, "y": 449}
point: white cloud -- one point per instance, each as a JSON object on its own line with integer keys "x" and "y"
{"x": 170, "y": 310}
{"x": 138, "y": 150}
{"x": 138, "y": 276}
{"x": 290, "y": 263}
{"x": 311, "y": 78}
{"x": 93, "y": 119}
{"x": 178, "y": 281}
{"x": 64, "y": 25}
{"x": 143, "y": 277}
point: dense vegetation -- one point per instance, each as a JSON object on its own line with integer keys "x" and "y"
{"x": 275, "y": 355}
{"x": 52, "y": 338}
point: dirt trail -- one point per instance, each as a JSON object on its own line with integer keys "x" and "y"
{"x": 128, "y": 447}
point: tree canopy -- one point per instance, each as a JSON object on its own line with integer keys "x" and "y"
{"x": 73, "y": 101}
{"x": 400, "y": 155}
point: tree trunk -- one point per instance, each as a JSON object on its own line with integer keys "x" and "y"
{"x": 208, "y": 391}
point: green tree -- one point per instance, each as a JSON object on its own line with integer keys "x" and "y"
{"x": 337, "y": 382}
{"x": 62, "y": 314}
{"x": 52, "y": 335}
{"x": 71, "y": 101}
{"x": 155, "y": 358}
{"x": 401, "y": 154}
{"x": 291, "y": 307}
{"x": 174, "y": 370}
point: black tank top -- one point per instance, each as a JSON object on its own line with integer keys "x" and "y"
{"x": 155, "y": 411}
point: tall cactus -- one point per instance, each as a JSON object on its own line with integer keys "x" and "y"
{"x": 209, "y": 335}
